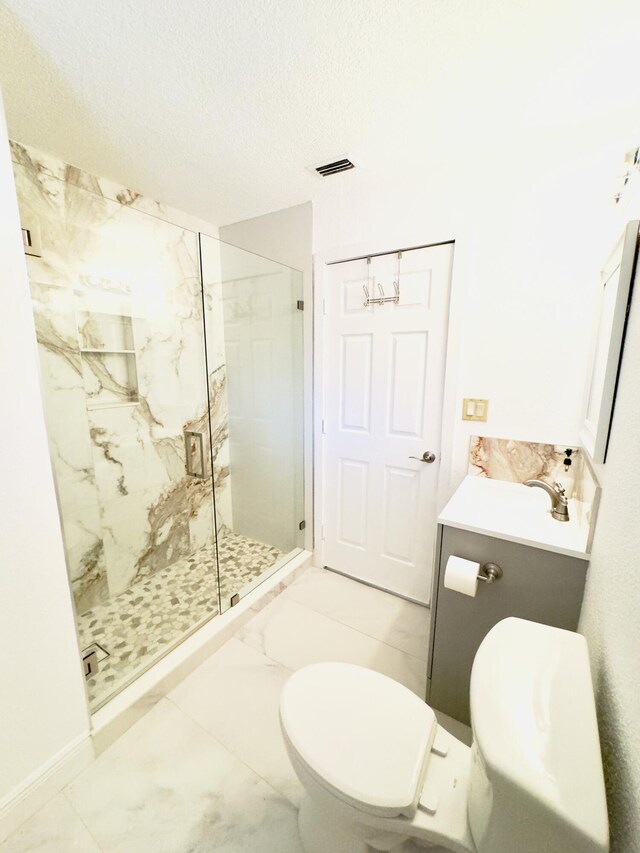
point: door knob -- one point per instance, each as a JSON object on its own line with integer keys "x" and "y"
{"x": 427, "y": 456}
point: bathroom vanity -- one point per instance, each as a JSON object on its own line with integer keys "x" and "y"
{"x": 543, "y": 562}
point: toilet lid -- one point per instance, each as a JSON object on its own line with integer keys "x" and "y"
{"x": 362, "y": 735}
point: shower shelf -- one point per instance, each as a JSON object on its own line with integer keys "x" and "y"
{"x": 108, "y": 351}
{"x": 110, "y": 377}
{"x": 93, "y": 406}
{"x": 99, "y": 332}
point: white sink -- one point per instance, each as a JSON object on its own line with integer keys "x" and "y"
{"x": 517, "y": 513}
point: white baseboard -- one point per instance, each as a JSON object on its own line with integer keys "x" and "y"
{"x": 44, "y": 783}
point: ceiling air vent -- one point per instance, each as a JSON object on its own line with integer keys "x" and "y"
{"x": 326, "y": 169}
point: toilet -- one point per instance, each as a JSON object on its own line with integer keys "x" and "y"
{"x": 378, "y": 769}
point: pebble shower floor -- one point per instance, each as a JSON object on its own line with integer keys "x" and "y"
{"x": 141, "y": 623}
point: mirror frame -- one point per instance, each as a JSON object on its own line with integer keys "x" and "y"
{"x": 608, "y": 342}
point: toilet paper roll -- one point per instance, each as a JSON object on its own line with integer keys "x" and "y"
{"x": 462, "y": 575}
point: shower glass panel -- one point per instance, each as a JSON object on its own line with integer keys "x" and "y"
{"x": 171, "y": 371}
{"x": 254, "y": 332}
{"x": 118, "y": 312}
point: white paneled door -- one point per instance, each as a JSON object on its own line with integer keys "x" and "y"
{"x": 383, "y": 415}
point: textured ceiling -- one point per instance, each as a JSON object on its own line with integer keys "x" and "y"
{"x": 217, "y": 106}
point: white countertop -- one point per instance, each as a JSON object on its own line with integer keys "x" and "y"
{"x": 516, "y": 513}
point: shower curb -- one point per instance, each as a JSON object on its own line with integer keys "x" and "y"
{"x": 127, "y": 707}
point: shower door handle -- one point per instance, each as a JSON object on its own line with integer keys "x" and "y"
{"x": 194, "y": 453}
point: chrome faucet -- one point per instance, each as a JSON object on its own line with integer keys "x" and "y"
{"x": 559, "y": 508}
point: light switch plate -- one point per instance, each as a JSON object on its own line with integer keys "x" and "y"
{"x": 474, "y": 409}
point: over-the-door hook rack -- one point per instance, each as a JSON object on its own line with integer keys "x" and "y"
{"x": 380, "y": 300}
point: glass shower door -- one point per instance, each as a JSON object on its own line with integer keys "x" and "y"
{"x": 172, "y": 383}
{"x": 118, "y": 312}
{"x": 254, "y": 343}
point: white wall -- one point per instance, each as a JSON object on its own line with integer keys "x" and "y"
{"x": 525, "y": 274}
{"x": 609, "y": 617}
{"x": 286, "y": 236}
{"x": 43, "y": 710}
{"x": 524, "y": 265}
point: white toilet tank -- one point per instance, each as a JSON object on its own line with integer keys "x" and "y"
{"x": 536, "y": 778}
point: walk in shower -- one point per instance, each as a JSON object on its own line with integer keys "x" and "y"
{"x": 171, "y": 371}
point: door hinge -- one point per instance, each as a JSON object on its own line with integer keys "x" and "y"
{"x": 324, "y": 306}
{"x": 31, "y": 241}
{"x": 92, "y": 657}
{"x": 235, "y": 599}
{"x": 300, "y": 304}
{"x": 302, "y": 525}
{"x": 324, "y": 432}
{"x": 90, "y": 663}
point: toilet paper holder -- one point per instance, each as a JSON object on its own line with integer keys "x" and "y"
{"x": 489, "y": 572}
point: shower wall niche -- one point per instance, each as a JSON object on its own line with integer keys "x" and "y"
{"x": 108, "y": 357}
{"x": 133, "y": 354}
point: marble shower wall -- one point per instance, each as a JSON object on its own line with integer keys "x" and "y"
{"x": 517, "y": 461}
{"x": 118, "y": 314}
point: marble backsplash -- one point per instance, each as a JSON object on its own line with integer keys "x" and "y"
{"x": 119, "y": 322}
{"x": 517, "y": 461}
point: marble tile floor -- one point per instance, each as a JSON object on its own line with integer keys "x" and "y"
{"x": 147, "y": 619}
{"x": 206, "y": 768}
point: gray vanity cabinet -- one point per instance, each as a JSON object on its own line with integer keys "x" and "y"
{"x": 539, "y": 585}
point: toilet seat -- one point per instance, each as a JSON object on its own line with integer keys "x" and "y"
{"x": 377, "y": 770}
{"x": 364, "y": 738}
